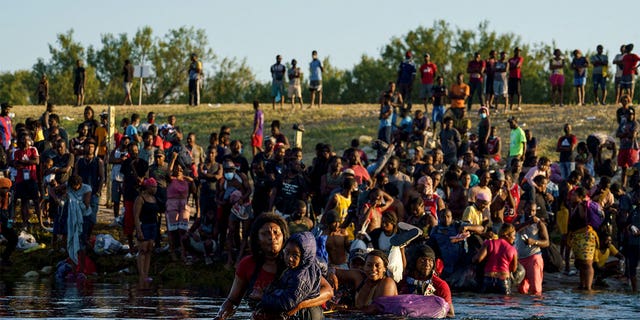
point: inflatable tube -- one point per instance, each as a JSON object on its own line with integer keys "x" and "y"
{"x": 413, "y": 305}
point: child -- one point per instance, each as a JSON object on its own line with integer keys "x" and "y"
{"x": 299, "y": 281}
{"x": 335, "y": 240}
{"x": 299, "y": 221}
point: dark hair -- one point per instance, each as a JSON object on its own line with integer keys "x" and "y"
{"x": 134, "y": 117}
{"x": 380, "y": 254}
{"x": 254, "y": 238}
{"x": 417, "y": 252}
{"x": 75, "y": 180}
{"x": 275, "y": 124}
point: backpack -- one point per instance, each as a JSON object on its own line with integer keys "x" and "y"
{"x": 552, "y": 258}
{"x": 595, "y": 214}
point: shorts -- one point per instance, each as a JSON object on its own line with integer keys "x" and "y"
{"x": 514, "y": 86}
{"x": 277, "y": 88}
{"x": 78, "y": 89}
{"x": 127, "y": 87}
{"x": 599, "y": 81}
{"x": 627, "y": 158}
{"x": 437, "y": 115}
{"x": 627, "y": 81}
{"x": 315, "y": 85}
{"x": 488, "y": 87}
{"x": 557, "y": 79}
{"x": 295, "y": 91}
{"x": 27, "y": 190}
{"x": 177, "y": 214}
{"x": 256, "y": 141}
{"x": 425, "y": 90}
{"x": 149, "y": 231}
{"x": 579, "y": 81}
{"x": 129, "y": 223}
{"x": 499, "y": 88}
{"x": 116, "y": 191}
{"x": 617, "y": 81}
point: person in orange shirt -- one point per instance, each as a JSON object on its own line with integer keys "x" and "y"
{"x": 458, "y": 93}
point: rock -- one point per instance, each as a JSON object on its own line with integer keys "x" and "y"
{"x": 46, "y": 270}
{"x": 32, "y": 275}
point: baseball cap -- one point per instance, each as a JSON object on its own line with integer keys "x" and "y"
{"x": 482, "y": 197}
{"x": 357, "y": 254}
{"x": 498, "y": 175}
{"x": 349, "y": 171}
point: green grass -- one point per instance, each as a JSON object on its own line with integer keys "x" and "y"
{"x": 338, "y": 124}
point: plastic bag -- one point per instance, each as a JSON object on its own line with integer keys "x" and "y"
{"x": 26, "y": 241}
{"x": 106, "y": 245}
{"x": 395, "y": 264}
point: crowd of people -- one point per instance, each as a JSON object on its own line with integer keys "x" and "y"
{"x": 432, "y": 212}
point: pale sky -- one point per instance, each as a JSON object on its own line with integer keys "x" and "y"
{"x": 343, "y": 30}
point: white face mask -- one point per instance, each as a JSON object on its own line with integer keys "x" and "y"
{"x": 483, "y": 115}
{"x": 228, "y": 175}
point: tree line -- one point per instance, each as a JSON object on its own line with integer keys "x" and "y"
{"x": 231, "y": 80}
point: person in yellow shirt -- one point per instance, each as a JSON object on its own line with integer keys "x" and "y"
{"x": 603, "y": 265}
{"x": 475, "y": 213}
{"x": 458, "y": 94}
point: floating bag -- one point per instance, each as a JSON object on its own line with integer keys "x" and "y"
{"x": 413, "y": 305}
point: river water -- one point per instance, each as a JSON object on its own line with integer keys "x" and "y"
{"x": 43, "y": 299}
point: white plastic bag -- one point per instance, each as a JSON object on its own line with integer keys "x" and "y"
{"x": 26, "y": 241}
{"x": 106, "y": 244}
{"x": 395, "y": 264}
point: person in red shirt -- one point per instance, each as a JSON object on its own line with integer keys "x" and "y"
{"x": 629, "y": 71}
{"x": 489, "y": 72}
{"x": 26, "y": 160}
{"x": 515, "y": 77}
{"x": 422, "y": 277}
{"x": 475, "y": 69}
{"x": 427, "y": 74}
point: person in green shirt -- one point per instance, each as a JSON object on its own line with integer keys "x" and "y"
{"x": 517, "y": 140}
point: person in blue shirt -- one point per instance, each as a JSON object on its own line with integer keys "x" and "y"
{"x": 406, "y": 74}
{"x": 315, "y": 78}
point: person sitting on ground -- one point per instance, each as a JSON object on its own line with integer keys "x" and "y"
{"x": 422, "y": 277}
{"x": 605, "y": 265}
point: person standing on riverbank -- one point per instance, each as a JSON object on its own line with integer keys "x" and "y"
{"x": 315, "y": 78}
{"x": 127, "y": 75}
{"x": 146, "y": 209}
{"x": 195, "y": 74}
{"x": 515, "y": 78}
{"x": 79, "y": 76}
{"x": 278, "y": 70}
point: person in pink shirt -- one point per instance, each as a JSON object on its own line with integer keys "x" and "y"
{"x": 501, "y": 259}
